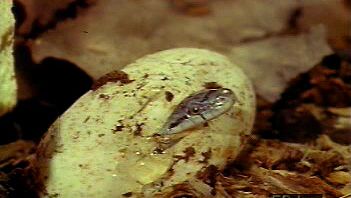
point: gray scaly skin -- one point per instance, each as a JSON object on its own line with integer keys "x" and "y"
{"x": 199, "y": 108}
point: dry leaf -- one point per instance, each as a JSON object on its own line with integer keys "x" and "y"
{"x": 339, "y": 177}
{"x": 192, "y": 7}
{"x": 280, "y": 181}
{"x": 39, "y": 11}
{"x": 272, "y": 166}
{"x": 261, "y": 182}
{"x": 15, "y": 152}
{"x": 113, "y": 33}
{"x": 273, "y": 62}
{"x": 333, "y": 14}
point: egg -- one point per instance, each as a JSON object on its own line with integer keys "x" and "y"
{"x": 117, "y": 141}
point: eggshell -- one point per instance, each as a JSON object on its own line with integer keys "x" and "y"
{"x": 104, "y": 144}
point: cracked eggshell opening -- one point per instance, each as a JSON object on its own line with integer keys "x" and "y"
{"x": 102, "y": 146}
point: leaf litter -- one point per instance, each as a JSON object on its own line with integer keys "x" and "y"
{"x": 127, "y": 30}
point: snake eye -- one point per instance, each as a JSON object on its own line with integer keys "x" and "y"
{"x": 194, "y": 110}
{"x": 227, "y": 91}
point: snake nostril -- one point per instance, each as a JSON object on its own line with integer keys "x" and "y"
{"x": 221, "y": 99}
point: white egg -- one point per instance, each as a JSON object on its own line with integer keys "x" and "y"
{"x": 105, "y": 145}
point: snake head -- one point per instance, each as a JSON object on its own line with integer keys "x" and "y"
{"x": 199, "y": 108}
